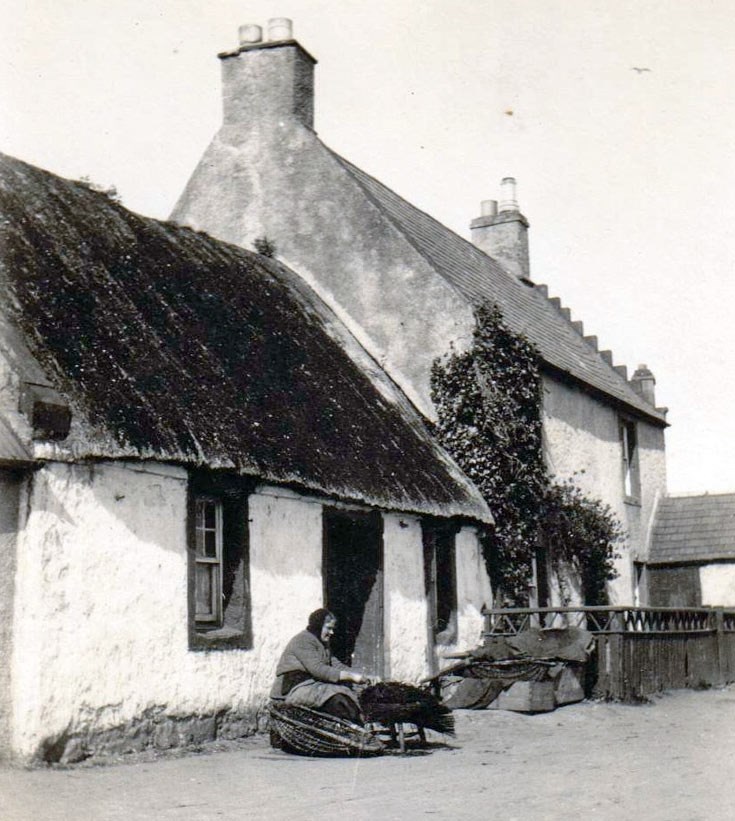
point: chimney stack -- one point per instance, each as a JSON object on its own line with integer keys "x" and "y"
{"x": 643, "y": 383}
{"x": 267, "y": 80}
{"x": 501, "y": 231}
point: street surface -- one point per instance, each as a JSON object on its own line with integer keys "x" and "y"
{"x": 672, "y": 760}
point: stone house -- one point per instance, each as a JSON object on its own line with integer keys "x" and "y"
{"x": 692, "y": 555}
{"x": 406, "y": 285}
{"x": 195, "y": 452}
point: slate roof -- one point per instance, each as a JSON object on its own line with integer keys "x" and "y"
{"x": 694, "y": 529}
{"x": 177, "y": 347}
{"x": 526, "y": 309}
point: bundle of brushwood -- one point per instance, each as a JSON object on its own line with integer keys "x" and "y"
{"x": 393, "y": 702}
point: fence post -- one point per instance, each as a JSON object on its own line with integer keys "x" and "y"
{"x": 720, "y": 643}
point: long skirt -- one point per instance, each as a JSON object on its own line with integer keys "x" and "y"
{"x": 333, "y": 699}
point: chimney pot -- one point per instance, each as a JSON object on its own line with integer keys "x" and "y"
{"x": 280, "y": 28}
{"x": 489, "y": 208}
{"x": 250, "y": 34}
{"x": 508, "y": 201}
{"x": 501, "y": 231}
{"x": 644, "y": 384}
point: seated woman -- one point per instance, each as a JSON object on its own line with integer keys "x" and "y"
{"x": 308, "y": 675}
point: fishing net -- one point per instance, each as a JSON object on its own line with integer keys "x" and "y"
{"x": 392, "y": 702}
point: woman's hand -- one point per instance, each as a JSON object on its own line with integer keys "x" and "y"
{"x": 352, "y": 676}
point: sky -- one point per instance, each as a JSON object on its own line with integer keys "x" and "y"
{"x": 626, "y": 177}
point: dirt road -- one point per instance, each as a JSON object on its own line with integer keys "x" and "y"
{"x": 673, "y": 760}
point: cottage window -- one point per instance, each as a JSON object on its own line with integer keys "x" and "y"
{"x": 208, "y": 548}
{"x": 440, "y": 580}
{"x": 629, "y": 446}
{"x": 219, "y": 572}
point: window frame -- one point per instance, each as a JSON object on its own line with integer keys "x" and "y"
{"x": 230, "y": 624}
{"x": 630, "y": 457}
{"x": 215, "y": 615}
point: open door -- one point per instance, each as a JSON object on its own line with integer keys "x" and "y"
{"x": 440, "y": 583}
{"x": 353, "y": 587}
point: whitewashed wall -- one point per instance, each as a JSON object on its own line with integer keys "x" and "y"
{"x": 582, "y": 441}
{"x": 718, "y": 584}
{"x": 406, "y": 611}
{"x": 100, "y": 614}
{"x": 101, "y": 606}
{"x": 473, "y": 588}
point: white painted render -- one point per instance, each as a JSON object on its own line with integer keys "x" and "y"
{"x": 406, "y": 612}
{"x": 582, "y": 443}
{"x": 285, "y": 577}
{"x": 473, "y": 588}
{"x": 718, "y": 584}
{"x": 100, "y": 615}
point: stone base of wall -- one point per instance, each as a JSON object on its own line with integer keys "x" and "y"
{"x": 154, "y": 730}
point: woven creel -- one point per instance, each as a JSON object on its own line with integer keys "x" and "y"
{"x": 309, "y": 732}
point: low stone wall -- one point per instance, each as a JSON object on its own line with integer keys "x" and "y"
{"x": 154, "y": 730}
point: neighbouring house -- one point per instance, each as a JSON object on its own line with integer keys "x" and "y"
{"x": 692, "y": 556}
{"x": 407, "y": 286}
{"x": 195, "y": 452}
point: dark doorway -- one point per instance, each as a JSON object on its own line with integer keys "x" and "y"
{"x": 440, "y": 579}
{"x": 353, "y": 587}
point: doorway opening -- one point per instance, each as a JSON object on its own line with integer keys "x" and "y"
{"x": 353, "y": 586}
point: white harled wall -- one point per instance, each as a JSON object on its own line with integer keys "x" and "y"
{"x": 101, "y": 618}
{"x": 717, "y": 582}
{"x": 582, "y": 443}
{"x": 473, "y": 588}
{"x": 100, "y": 613}
{"x": 406, "y": 612}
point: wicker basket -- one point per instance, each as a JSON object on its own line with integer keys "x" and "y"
{"x": 308, "y": 732}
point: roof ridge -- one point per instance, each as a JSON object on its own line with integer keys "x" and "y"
{"x": 575, "y": 367}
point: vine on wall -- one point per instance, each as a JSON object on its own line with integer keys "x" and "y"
{"x": 488, "y": 402}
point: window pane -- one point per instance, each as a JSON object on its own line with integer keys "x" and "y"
{"x": 203, "y": 590}
{"x": 210, "y": 543}
{"x": 210, "y": 519}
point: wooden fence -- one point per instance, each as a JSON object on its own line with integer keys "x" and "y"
{"x": 639, "y": 651}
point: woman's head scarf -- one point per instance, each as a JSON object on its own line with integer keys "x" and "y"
{"x": 317, "y": 619}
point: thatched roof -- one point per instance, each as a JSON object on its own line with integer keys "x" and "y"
{"x": 176, "y": 347}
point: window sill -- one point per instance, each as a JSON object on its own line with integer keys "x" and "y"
{"x": 219, "y": 638}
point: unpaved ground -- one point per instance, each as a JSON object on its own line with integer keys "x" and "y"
{"x": 673, "y": 760}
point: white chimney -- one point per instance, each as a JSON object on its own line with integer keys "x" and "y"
{"x": 508, "y": 201}
{"x": 249, "y": 34}
{"x": 280, "y": 28}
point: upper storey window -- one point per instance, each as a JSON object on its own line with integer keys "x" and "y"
{"x": 631, "y": 461}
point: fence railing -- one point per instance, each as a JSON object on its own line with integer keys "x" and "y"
{"x": 639, "y": 650}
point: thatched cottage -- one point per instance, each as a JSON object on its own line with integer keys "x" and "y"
{"x": 407, "y": 285}
{"x": 195, "y": 452}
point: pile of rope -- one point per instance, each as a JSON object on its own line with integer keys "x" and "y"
{"x": 391, "y": 702}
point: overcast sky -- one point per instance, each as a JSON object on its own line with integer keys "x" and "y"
{"x": 627, "y": 177}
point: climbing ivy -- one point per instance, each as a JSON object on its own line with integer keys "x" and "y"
{"x": 581, "y": 534}
{"x": 488, "y": 402}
